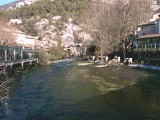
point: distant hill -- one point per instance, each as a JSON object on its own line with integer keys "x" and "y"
{"x": 9, "y": 5}
{"x": 17, "y": 4}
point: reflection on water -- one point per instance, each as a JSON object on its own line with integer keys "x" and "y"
{"x": 65, "y": 91}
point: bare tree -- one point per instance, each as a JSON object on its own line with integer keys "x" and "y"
{"x": 7, "y": 37}
{"x": 112, "y": 24}
{"x": 4, "y": 85}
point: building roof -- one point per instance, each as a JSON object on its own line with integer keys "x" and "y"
{"x": 150, "y": 36}
{"x": 30, "y": 37}
{"x": 146, "y": 24}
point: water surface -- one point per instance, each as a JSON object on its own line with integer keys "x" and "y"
{"x": 66, "y": 91}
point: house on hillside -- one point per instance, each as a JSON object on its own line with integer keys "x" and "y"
{"x": 14, "y": 37}
{"x": 147, "y": 42}
{"x": 26, "y": 41}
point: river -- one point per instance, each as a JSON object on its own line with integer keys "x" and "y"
{"x": 66, "y": 91}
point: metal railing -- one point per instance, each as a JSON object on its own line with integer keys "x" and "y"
{"x": 16, "y": 53}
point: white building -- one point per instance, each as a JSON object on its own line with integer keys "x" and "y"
{"x": 149, "y": 28}
{"x": 24, "y": 40}
{"x": 153, "y": 27}
{"x": 148, "y": 35}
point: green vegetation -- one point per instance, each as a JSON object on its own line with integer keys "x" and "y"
{"x": 43, "y": 56}
{"x": 28, "y": 27}
{"x": 54, "y": 53}
{"x": 57, "y": 52}
{"x": 47, "y": 9}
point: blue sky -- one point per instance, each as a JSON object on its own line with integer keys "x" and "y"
{"x": 2, "y": 2}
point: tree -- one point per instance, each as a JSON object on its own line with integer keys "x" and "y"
{"x": 4, "y": 88}
{"x": 28, "y": 27}
{"x": 158, "y": 2}
{"x": 6, "y": 36}
{"x": 113, "y": 24}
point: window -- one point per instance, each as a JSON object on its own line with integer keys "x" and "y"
{"x": 141, "y": 28}
{"x": 148, "y": 45}
{"x": 157, "y": 44}
{"x": 153, "y": 45}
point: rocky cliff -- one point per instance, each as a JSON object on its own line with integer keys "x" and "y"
{"x": 49, "y": 20}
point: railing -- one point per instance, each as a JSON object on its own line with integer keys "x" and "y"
{"x": 16, "y": 53}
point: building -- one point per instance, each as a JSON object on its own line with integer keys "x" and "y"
{"x": 148, "y": 36}
{"x": 147, "y": 42}
{"x": 26, "y": 41}
{"x": 11, "y": 36}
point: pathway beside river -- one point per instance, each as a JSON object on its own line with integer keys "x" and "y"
{"x": 66, "y": 91}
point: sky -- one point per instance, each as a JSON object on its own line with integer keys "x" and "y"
{"x": 2, "y": 2}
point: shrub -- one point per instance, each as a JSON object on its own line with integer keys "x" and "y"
{"x": 43, "y": 56}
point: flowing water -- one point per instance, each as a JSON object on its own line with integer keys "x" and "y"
{"x": 66, "y": 91}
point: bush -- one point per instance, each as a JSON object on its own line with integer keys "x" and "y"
{"x": 57, "y": 53}
{"x": 43, "y": 57}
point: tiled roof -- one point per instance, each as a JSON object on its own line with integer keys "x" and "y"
{"x": 149, "y": 36}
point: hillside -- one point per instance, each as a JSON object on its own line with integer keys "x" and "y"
{"x": 54, "y": 22}
{"x": 47, "y": 19}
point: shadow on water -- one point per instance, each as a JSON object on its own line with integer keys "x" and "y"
{"x": 140, "y": 101}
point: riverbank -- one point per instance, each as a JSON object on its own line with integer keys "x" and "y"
{"x": 144, "y": 66}
{"x": 62, "y": 60}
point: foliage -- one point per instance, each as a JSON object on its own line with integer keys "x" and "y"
{"x": 43, "y": 56}
{"x": 57, "y": 52}
{"x": 47, "y": 9}
{"x": 28, "y": 27}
